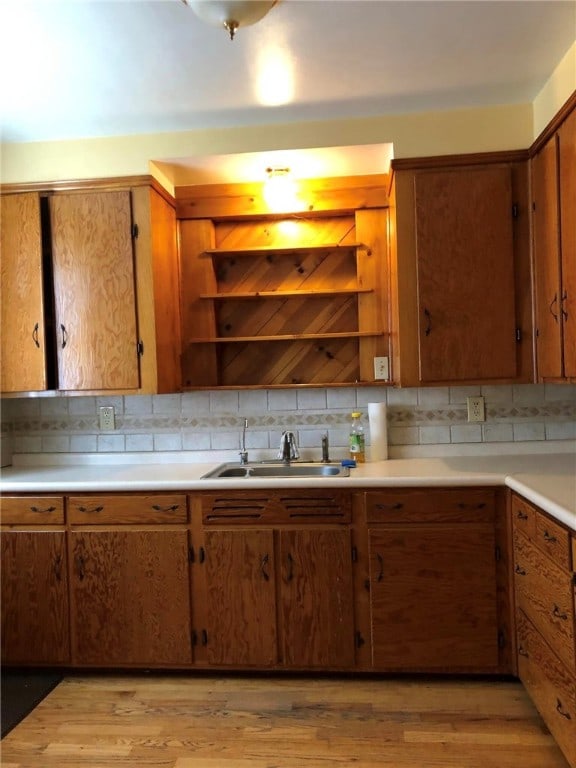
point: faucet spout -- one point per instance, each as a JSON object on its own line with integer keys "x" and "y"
{"x": 288, "y": 447}
{"x": 243, "y": 452}
{"x": 325, "y": 449}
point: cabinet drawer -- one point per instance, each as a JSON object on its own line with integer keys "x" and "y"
{"x": 550, "y": 685}
{"x": 276, "y": 507}
{"x": 544, "y": 593}
{"x": 553, "y": 539}
{"x": 130, "y": 509}
{"x": 431, "y": 505}
{"x": 523, "y": 516}
{"x": 32, "y": 510}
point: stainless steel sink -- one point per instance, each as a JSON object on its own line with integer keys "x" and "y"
{"x": 278, "y": 469}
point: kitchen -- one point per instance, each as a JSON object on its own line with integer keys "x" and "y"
{"x": 524, "y": 416}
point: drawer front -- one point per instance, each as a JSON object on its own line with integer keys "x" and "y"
{"x": 544, "y": 593}
{"x": 127, "y": 510}
{"x": 550, "y": 685}
{"x": 554, "y": 540}
{"x": 32, "y": 510}
{"x": 431, "y": 505}
{"x": 523, "y": 516}
{"x": 276, "y": 507}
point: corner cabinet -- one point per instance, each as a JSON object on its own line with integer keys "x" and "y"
{"x": 78, "y": 292}
{"x": 460, "y": 265}
{"x": 283, "y": 300}
{"x": 554, "y": 226}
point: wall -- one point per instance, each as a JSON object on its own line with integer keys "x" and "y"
{"x": 560, "y": 85}
{"x": 421, "y": 422}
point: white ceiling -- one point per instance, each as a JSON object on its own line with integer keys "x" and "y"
{"x": 85, "y": 68}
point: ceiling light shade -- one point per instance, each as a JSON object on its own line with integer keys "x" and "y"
{"x": 231, "y": 14}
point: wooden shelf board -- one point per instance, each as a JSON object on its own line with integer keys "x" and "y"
{"x": 287, "y": 294}
{"x": 273, "y": 250}
{"x": 286, "y": 337}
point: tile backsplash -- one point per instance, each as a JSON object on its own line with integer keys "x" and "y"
{"x": 421, "y": 422}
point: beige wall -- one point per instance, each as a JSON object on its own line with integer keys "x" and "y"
{"x": 561, "y": 84}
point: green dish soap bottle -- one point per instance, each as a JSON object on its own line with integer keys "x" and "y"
{"x": 357, "y": 441}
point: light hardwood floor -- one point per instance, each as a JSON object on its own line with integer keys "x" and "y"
{"x": 187, "y": 721}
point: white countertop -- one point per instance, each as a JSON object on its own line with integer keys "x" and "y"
{"x": 548, "y": 480}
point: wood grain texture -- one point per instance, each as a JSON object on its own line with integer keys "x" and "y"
{"x": 94, "y": 291}
{"x": 23, "y": 346}
{"x": 34, "y": 586}
{"x": 546, "y": 235}
{"x": 567, "y": 180}
{"x": 465, "y": 263}
{"x": 270, "y": 722}
{"x": 35, "y": 510}
{"x": 433, "y": 593}
{"x": 127, "y": 509}
{"x": 130, "y": 597}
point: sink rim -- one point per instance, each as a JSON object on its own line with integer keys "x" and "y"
{"x": 232, "y": 470}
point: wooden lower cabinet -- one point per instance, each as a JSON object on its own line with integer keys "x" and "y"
{"x": 433, "y": 580}
{"x": 544, "y": 582}
{"x": 34, "y": 597}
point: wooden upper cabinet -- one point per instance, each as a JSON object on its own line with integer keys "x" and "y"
{"x": 465, "y": 263}
{"x": 553, "y": 170}
{"x": 460, "y": 272}
{"x": 23, "y": 346}
{"x": 94, "y": 290}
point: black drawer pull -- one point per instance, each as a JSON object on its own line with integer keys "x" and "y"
{"x": 549, "y": 538}
{"x": 41, "y": 511}
{"x": 560, "y": 709}
{"x": 264, "y": 568}
{"x": 171, "y": 508}
{"x": 380, "y": 566}
{"x": 398, "y": 505}
{"x": 522, "y": 651}
{"x": 520, "y": 571}
{"x": 464, "y": 505}
{"x": 521, "y": 515}
{"x": 559, "y": 614}
{"x": 90, "y": 510}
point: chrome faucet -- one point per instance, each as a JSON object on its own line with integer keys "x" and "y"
{"x": 325, "y": 449}
{"x": 288, "y": 447}
{"x": 243, "y": 452}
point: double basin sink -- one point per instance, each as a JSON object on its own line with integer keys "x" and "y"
{"x": 277, "y": 469}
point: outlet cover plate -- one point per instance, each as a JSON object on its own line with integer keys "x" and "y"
{"x": 476, "y": 409}
{"x": 381, "y": 369}
{"x": 107, "y": 420}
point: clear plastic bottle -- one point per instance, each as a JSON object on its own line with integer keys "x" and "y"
{"x": 357, "y": 440}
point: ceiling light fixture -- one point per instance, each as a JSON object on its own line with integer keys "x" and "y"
{"x": 230, "y": 14}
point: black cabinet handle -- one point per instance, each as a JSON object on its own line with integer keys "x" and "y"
{"x": 204, "y": 635}
{"x": 264, "y": 568}
{"x": 41, "y": 511}
{"x": 549, "y": 538}
{"x": 90, "y": 510}
{"x": 388, "y": 507}
{"x": 464, "y": 505}
{"x": 290, "y": 573}
{"x": 170, "y": 508}
{"x": 381, "y": 567}
{"x": 64, "y": 335}
{"x": 564, "y": 299}
{"x": 522, "y": 651}
{"x": 559, "y": 613}
{"x": 521, "y": 515}
{"x": 428, "y": 317}
{"x": 35, "y": 336}
{"x": 560, "y": 709}
{"x": 554, "y": 301}
{"x": 519, "y": 570}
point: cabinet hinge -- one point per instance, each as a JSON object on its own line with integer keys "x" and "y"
{"x": 515, "y": 210}
{"x": 501, "y": 639}
{"x": 140, "y": 348}
{"x": 518, "y": 335}
{"x": 497, "y": 553}
{"x": 135, "y": 231}
{"x": 354, "y": 555}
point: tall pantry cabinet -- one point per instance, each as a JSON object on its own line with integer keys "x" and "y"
{"x": 554, "y": 241}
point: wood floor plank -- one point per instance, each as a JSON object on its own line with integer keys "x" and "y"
{"x": 183, "y": 721}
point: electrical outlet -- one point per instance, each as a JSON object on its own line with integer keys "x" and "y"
{"x": 476, "y": 410}
{"x": 381, "y": 370}
{"x": 107, "y": 420}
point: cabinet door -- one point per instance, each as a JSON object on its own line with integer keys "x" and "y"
{"x": 130, "y": 597}
{"x": 316, "y": 606}
{"x": 94, "y": 291}
{"x": 34, "y": 598}
{"x": 241, "y": 598}
{"x": 465, "y": 266}
{"x": 433, "y": 597}
{"x": 567, "y": 181}
{"x": 22, "y": 340}
{"x": 546, "y": 226}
